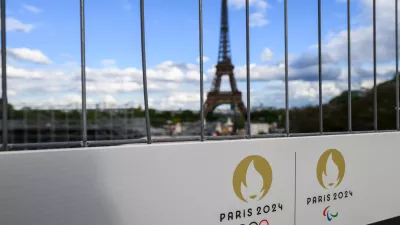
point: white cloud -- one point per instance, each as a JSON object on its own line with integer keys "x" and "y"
{"x": 107, "y": 81}
{"x": 113, "y": 87}
{"x": 31, "y": 55}
{"x": 277, "y": 72}
{"x": 109, "y": 99}
{"x": 300, "y": 93}
{"x": 13, "y": 72}
{"x": 66, "y": 101}
{"x": 14, "y": 25}
{"x": 167, "y": 71}
{"x": 205, "y": 59}
{"x": 175, "y": 100}
{"x": 261, "y": 5}
{"x": 258, "y": 17}
{"x": 361, "y": 43}
{"x": 266, "y": 55}
{"x": 32, "y": 9}
{"x": 310, "y": 90}
{"x": 36, "y": 74}
{"x": 172, "y": 94}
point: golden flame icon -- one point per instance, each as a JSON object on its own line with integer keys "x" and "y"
{"x": 338, "y": 160}
{"x": 262, "y": 166}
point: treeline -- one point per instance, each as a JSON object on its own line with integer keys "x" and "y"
{"x": 302, "y": 120}
{"x": 335, "y": 113}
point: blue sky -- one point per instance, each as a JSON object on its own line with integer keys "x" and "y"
{"x": 44, "y": 50}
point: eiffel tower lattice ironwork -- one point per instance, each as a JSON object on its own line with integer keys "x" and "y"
{"x": 224, "y": 67}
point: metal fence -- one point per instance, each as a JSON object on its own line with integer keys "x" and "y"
{"x": 84, "y": 142}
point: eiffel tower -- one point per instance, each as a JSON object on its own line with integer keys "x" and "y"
{"x": 224, "y": 67}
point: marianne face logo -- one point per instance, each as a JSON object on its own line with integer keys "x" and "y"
{"x": 331, "y": 169}
{"x": 252, "y": 178}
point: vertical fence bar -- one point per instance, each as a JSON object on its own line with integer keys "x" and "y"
{"x": 374, "y": 52}
{"x": 144, "y": 69}
{"x": 67, "y": 123}
{"x": 126, "y": 122}
{"x": 349, "y": 104}
{"x": 52, "y": 124}
{"x": 287, "y": 123}
{"x": 397, "y": 67}
{"x": 38, "y": 129}
{"x": 201, "y": 70}
{"x": 83, "y": 75}
{"x": 4, "y": 101}
{"x": 132, "y": 122}
{"x": 248, "y": 130}
{"x": 96, "y": 123}
{"x": 26, "y": 127}
{"x": 111, "y": 129}
{"x": 321, "y": 119}
{"x": 11, "y": 126}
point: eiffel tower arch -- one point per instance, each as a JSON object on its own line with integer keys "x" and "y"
{"x": 224, "y": 67}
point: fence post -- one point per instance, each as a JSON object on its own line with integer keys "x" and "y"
{"x": 321, "y": 113}
{"x": 4, "y": 76}
{"x": 349, "y": 104}
{"x": 38, "y": 124}
{"x": 397, "y": 67}
{"x": 201, "y": 69}
{"x": 374, "y": 55}
{"x": 52, "y": 124}
{"x": 26, "y": 126}
{"x": 83, "y": 74}
{"x": 126, "y": 121}
{"x": 67, "y": 121}
{"x": 287, "y": 123}
{"x": 248, "y": 133}
{"x": 144, "y": 70}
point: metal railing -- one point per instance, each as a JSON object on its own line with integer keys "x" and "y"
{"x": 84, "y": 140}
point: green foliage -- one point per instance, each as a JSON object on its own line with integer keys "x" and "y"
{"x": 302, "y": 120}
{"x": 239, "y": 121}
{"x": 9, "y": 106}
{"x": 335, "y": 113}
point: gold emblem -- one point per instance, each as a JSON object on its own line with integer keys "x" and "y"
{"x": 338, "y": 160}
{"x": 262, "y": 166}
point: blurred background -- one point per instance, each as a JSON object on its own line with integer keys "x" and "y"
{"x": 44, "y": 68}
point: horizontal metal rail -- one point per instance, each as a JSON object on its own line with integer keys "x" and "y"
{"x": 30, "y": 146}
{"x": 177, "y": 139}
{"x": 77, "y": 144}
{"x": 116, "y": 142}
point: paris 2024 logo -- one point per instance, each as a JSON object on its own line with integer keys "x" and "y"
{"x": 251, "y": 182}
{"x": 262, "y": 167}
{"x": 330, "y": 171}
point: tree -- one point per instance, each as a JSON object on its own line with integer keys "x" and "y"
{"x": 239, "y": 121}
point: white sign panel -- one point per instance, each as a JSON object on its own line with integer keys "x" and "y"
{"x": 315, "y": 180}
{"x": 349, "y": 180}
{"x": 243, "y": 182}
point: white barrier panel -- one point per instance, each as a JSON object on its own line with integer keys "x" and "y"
{"x": 347, "y": 180}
